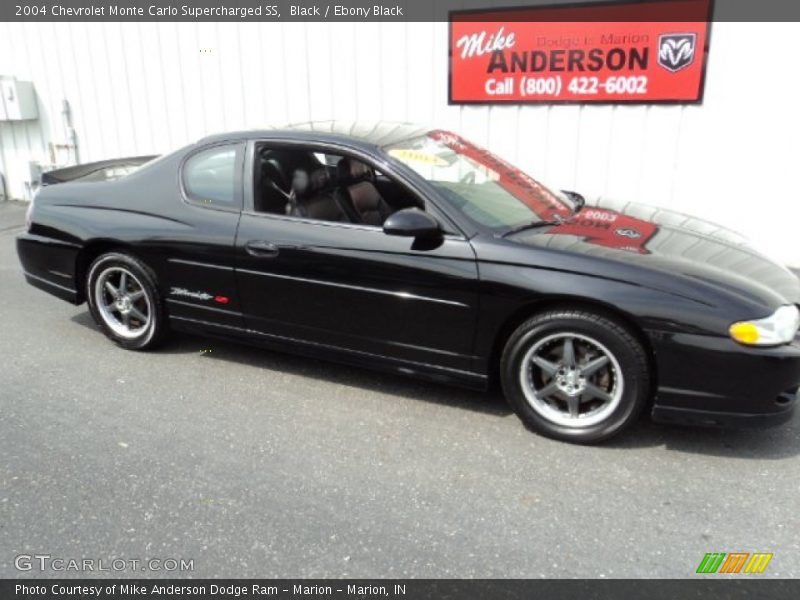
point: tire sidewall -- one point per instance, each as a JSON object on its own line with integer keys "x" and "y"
{"x": 630, "y": 357}
{"x": 147, "y": 280}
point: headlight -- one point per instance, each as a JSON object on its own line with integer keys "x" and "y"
{"x": 29, "y": 212}
{"x": 778, "y": 328}
{"x": 29, "y": 215}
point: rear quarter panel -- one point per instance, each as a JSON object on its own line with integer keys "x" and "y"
{"x": 142, "y": 213}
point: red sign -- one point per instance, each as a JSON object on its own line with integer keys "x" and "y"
{"x": 595, "y": 225}
{"x": 607, "y": 53}
{"x": 609, "y": 228}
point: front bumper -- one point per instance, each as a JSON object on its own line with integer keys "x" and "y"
{"x": 729, "y": 420}
{"x": 714, "y": 381}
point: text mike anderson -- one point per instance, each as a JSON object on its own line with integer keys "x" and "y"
{"x": 244, "y": 12}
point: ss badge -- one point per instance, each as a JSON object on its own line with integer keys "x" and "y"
{"x": 676, "y": 50}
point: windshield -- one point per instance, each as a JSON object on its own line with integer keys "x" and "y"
{"x": 491, "y": 192}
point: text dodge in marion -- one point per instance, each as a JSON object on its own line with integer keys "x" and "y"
{"x": 236, "y": 590}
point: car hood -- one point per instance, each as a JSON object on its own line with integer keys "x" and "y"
{"x": 671, "y": 242}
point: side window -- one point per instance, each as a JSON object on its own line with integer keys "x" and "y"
{"x": 317, "y": 185}
{"x": 211, "y": 177}
{"x": 329, "y": 160}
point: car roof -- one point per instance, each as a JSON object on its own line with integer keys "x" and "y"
{"x": 360, "y": 133}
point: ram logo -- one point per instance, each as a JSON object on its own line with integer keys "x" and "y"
{"x": 676, "y": 50}
{"x": 629, "y": 233}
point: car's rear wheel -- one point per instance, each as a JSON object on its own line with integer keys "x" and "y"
{"x": 124, "y": 301}
{"x": 575, "y": 375}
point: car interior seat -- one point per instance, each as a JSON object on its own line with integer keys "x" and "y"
{"x": 314, "y": 196}
{"x": 273, "y": 196}
{"x": 359, "y": 194}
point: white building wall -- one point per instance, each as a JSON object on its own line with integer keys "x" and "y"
{"x": 140, "y": 88}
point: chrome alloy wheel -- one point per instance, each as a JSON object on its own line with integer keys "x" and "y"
{"x": 122, "y": 302}
{"x": 571, "y": 380}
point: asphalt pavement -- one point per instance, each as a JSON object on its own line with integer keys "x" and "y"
{"x": 252, "y": 463}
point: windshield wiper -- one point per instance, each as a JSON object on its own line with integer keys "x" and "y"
{"x": 577, "y": 199}
{"x": 532, "y": 225}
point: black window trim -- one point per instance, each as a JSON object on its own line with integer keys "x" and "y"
{"x": 453, "y": 231}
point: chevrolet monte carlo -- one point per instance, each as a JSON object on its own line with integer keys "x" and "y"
{"x": 415, "y": 251}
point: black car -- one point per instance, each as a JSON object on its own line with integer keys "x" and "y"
{"x": 412, "y": 250}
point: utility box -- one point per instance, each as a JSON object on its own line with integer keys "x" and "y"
{"x": 17, "y": 100}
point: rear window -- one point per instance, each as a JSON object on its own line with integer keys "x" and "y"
{"x": 210, "y": 177}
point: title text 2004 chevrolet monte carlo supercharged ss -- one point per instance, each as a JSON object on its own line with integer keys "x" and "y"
{"x": 413, "y": 250}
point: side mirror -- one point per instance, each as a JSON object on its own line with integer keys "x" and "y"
{"x": 412, "y": 222}
{"x": 575, "y": 197}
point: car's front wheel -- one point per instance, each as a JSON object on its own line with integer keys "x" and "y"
{"x": 575, "y": 375}
{"x": 124, "y": 300}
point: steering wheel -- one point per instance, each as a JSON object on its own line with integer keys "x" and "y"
{"x": 469, "y": 177}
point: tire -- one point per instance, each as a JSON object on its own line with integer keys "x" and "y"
{"x": 586, "y": 395}
{"x": 136, "y": 319}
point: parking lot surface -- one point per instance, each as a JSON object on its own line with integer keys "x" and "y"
{"x": 257, "y": 464}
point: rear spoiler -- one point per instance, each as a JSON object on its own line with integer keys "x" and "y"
{"x": 102, "y": 170}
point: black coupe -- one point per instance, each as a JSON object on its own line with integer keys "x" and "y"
{"x": 415, "y": 251}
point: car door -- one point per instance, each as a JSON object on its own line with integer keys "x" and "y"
{"x": 197, "y": 254}
{"x": 354, "y": 287}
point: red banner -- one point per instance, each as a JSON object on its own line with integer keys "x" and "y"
{"x": 595, "y": 225}
{"x": 529, "y": 55}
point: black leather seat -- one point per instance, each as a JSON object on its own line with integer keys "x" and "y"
{"x": 359, "y": 196}
{"x": 273, "y": 196}
{"x": 314, "y": 197}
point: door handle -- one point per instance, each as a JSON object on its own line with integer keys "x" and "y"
{"x": 261, "y": 249}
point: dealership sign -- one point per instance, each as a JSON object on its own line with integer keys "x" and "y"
{"x": 621, "y": 52}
